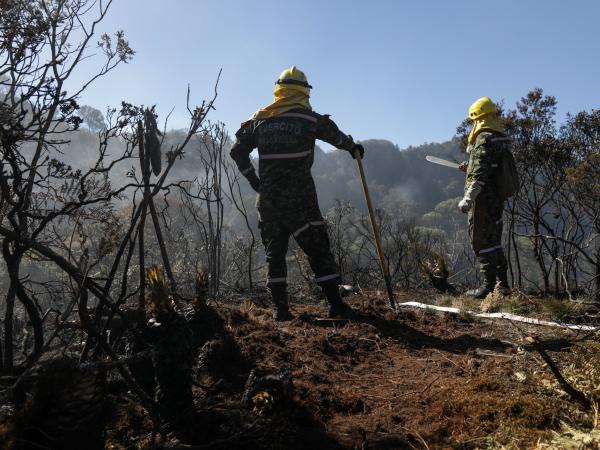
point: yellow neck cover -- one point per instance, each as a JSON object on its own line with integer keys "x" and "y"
{"x": 286, "y": 98}
{"x": 489, "y": 122}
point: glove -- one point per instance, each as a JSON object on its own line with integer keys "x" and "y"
{"x": 465, "y": 205}
{"x": 463, "y": 166}
{"x": 357, "y": 148}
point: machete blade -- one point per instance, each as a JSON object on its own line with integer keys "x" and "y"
{"x": 442, "y": 162}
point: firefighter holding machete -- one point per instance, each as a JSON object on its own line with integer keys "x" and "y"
{"x": 483, "y": 200}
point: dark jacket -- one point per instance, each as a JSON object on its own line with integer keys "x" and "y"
{"x": 286, "y": 146}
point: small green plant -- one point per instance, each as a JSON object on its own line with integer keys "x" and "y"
{"x": 445, "y": 300}
{"x": 514, "y": 305}
{"x": 464, "y": 302}
{"x": 560, "y": 310}
{"x": 467, "y": 316}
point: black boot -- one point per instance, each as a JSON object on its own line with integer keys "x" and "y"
{"x": 280, "y": 300}
{"x": 488, "y": 270}
{"x": 337, "y": 308}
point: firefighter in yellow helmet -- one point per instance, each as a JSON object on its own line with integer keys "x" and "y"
{"x": 285, "y": 132}
{"x": 482, "y": 200}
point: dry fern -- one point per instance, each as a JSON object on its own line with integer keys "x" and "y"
{"x": 159, "y": 305}
{"x": 493, "y": 301}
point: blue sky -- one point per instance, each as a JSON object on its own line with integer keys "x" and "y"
{"x": 405, "y": 71}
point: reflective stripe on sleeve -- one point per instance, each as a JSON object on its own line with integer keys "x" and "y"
{"x": 305, "y": 227}
{"x": 284, "y": 155}
{"x": 301, "y": 116}
{"x": 327, "y": 277}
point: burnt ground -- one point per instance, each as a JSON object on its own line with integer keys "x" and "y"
{"x": 386, "y": 380}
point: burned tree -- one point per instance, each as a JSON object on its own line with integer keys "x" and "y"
{"x": 40, "y": 54}
{"x": 67, "y": 247}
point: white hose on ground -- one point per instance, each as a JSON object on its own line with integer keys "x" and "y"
{"x": 500, "y": 315}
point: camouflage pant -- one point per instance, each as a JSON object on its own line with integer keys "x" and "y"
{"x": 310, "y": 232}
{"x": 485, "y": 226}
{"x": 485, "y": 230}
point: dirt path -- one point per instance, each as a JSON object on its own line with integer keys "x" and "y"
{"x": 386, "y": 380}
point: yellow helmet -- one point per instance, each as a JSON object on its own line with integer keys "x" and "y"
{"x": 294, "y": 78}
{"x": 481, "y": 107}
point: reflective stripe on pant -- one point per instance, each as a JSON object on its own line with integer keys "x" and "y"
{"x": 311, "y": 237}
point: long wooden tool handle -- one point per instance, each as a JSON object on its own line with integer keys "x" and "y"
{"x": 384, "y": 267}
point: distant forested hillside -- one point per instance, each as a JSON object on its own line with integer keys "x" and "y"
{"x": 400, "y": 181}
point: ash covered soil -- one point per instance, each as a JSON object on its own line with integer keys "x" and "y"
{"x": 385, "y": 380}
